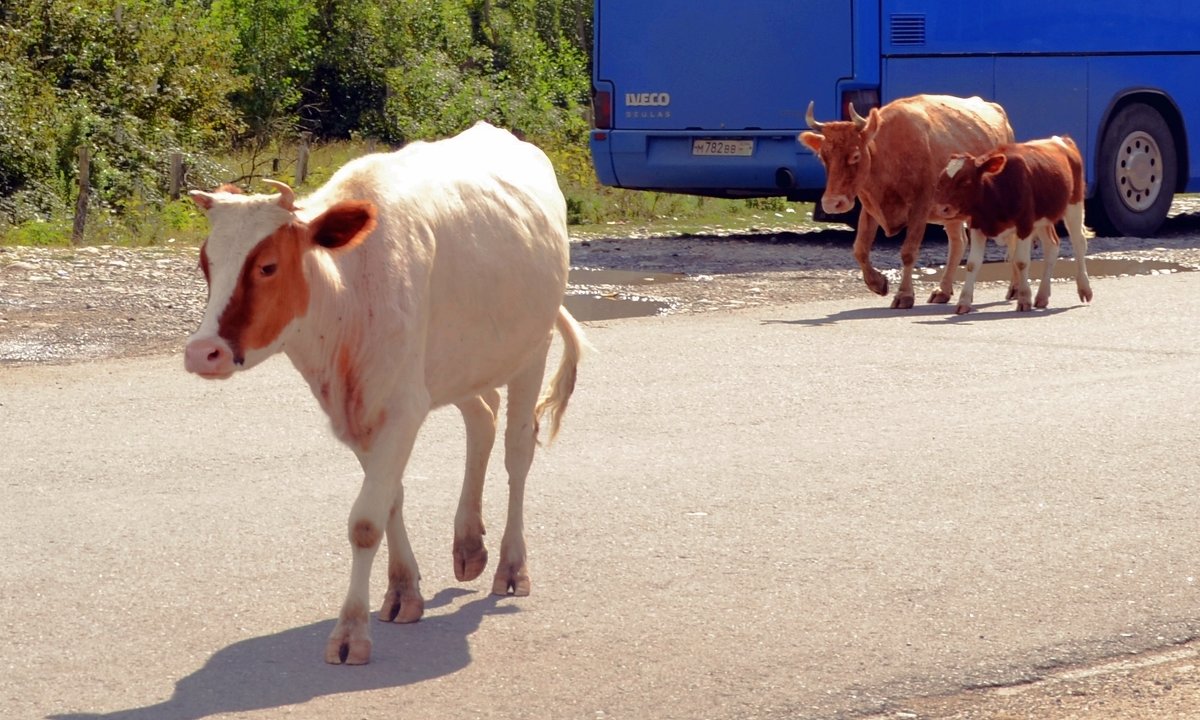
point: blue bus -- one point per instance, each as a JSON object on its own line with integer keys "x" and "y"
{"x": 706, "y": 97}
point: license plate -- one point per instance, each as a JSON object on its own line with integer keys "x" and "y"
{"x": 723, "y": 148}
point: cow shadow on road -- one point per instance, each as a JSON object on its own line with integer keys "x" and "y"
{"x": 937, "y": 314}
{"x": 287, "y": 668}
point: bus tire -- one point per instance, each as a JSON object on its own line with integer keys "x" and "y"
{"x": 1136, "y": 174}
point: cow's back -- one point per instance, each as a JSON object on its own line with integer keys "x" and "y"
{"x": 467, "y": 267}
{"x": 917, "y": 136}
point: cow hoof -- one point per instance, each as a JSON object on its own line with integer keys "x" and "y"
{"x": 1085, "y": 295}
{"x": 402, "y": 608}
{"x": 1041, "y": 303}
{"x": 470, "y": 558}
{"x": 1024, "y": 306}
{"x": 962, "y": 309}
{"x": 1012, "y": 293}
{"x": 939, "y": 297}
{"x": 877, "y": 281}
{"x": 511, "y": 579}
{"x": 349, "y": 643}
{"x": 902, "y": 302}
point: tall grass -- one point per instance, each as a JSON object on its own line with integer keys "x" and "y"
{"x": 146, "y": 223}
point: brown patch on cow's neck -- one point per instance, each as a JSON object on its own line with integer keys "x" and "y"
{"x": 260, "y": 307}
{"x": 357, "y": 428}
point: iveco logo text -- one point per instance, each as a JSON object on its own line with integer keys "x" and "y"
{"x": 653, "y": 99}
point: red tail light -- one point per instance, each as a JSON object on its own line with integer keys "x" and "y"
{"x": 602, "y": 110}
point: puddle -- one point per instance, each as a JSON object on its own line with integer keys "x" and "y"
{"x": 1097, "y": 267}
{"x": 593, "y": 293}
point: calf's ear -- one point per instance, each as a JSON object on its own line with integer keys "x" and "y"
{"x": 993, "y": 164}
{"x": 344, "y": 225}
{"x": 811, "y": 140}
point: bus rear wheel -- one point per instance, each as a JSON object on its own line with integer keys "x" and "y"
{"x": 1136, "y": 174}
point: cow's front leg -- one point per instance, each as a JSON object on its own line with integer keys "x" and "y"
{"x": 1021, "y": 261}
{"x": 905, "y": 296}
{"x": 403, "y": 602}
{"x": 520, "y": 439}
{"x": 974, "y": 262}
{"x": 479, "y": 416}
{"x": 378, "y": 507}
{"x": 864, "y": 238}
{"x": 956, "y": 234}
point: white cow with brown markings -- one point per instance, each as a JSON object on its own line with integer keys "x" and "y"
{"x": 412, "y": 280}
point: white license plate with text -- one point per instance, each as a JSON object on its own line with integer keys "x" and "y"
{"x": 723, "y": 148}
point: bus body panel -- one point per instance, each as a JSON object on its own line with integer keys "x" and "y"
{"x": 747, "y": 71}
{"x": 679, "y": 71}
{"x": 946, "y": 27}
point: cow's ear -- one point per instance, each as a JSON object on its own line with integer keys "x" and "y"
{"x": 993, "y": 164}
{"x": 811, "y": 140}
{"x": 872, "y": 126}
{"x": 344, "y": 225}
{"x": 202, "y": 199}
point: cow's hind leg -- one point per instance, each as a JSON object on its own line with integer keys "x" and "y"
{"x": 956, "y": 234}
{"x": 379, "y": 508}
{"x": 1079, "y": 246}
{"x": 1050, "y": 246}
{"x": 520, "y": 440}
{"x": 479, "y": 415}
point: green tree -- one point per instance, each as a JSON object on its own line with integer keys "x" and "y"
{"x": 131, "y": 79}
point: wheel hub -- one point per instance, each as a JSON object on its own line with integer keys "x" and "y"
{"x": 1139, "y": 171}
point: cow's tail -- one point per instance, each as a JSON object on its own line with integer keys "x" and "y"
{"x": 558, "y": 394}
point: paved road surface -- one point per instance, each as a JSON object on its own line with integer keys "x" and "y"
{"x": 799, "y": 512}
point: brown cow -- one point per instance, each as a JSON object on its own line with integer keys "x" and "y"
{"x": 890, "y": 161}
{"x": 1012, "y": 193}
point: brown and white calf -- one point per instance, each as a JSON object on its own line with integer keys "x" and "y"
{"x": 1014, "y": 193}
{"x": 890, "y": 161}
{"x": 411, "y": 280}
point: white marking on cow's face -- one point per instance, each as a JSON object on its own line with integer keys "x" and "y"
{"x": 954, "y": 166}
{"x": 237, "y": 225}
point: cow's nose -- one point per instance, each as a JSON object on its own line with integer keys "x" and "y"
{"x": 208, "y": 357}
{"x": 836, "y": 204}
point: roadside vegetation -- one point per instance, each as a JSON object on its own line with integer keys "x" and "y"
{"x": 237, "y": 87}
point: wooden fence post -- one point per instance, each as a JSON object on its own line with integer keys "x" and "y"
{"x": 81, "y": 204}
{"x": 176, "y": 174}
{"x": 302, "y": 160}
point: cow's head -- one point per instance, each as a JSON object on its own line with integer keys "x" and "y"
{"x": 958, "y": 186}
{"x": 253, "y": 261}
{"x": 843, "y": 148}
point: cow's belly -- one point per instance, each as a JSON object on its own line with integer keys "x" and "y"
{"x": 484, "y": 331}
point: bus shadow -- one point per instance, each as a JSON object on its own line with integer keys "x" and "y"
{"x": 285, "y": 669}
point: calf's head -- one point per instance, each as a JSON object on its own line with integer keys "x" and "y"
{"x": 842, "y": 148}
{"x": 958, "y": 186}
{"x": 253, "y": 262}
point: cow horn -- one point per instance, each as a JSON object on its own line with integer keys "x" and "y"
{"x": 287, "y": 196}
{"x": 812, "y": 121}
{"x": 860, "y": 122}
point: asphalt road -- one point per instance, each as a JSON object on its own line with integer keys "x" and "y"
{"x": 805, "y": 511}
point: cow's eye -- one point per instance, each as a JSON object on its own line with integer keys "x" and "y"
{"x": 855, "y": 157}
{"x": 268, "y": 270}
